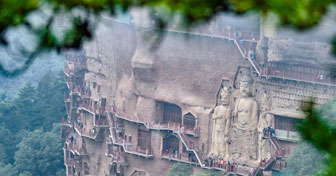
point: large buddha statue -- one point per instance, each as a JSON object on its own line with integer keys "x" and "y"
{"x": 246, "y": 109}
{"x": 221, "y": 122}
{"x": 244, "y": 132}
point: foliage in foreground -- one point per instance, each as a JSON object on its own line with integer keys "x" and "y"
{"x": 305, "y": 160}
{"x": 318, "y": 130}
{"x": 180, "y": 169}
{"x": 300, "y": 14}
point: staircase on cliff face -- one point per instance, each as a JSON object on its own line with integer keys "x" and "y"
{"x": 189, "y": 142}
{"x": 277, "y": 154}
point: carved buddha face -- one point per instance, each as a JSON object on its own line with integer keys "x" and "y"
{"x": 245, "y": 88}
{"x": 225, "y": 96}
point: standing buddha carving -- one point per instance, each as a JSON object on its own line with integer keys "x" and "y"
{"x": 265, "y": 120}
{"x": 221, "y": 123}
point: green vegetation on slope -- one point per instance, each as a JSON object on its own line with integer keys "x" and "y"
{"x": 182, "y": 169}
{"x": 40, "y": 153}
{"x": 30, "y": 128}
{"x": 305, "y": 160}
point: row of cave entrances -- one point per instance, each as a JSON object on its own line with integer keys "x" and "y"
{"x": 173, "y": 113}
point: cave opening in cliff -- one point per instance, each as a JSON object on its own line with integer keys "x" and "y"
{"x": 171, "y": 145}
{"x": 116, "y": 169}
{"x": 189, "y": 121}
{"x": 86, "y": 169}
{"x": 172, "y": 113}
{"x": 219, "y": 92}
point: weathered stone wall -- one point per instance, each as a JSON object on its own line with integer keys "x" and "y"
{"x": 131, "y": 129}
{"x": 183, "y": 69}
{"x": 138, "y": 69}
{"x": 97, "y": 161}
{"x": 151, "y": 167}
{"x": 110, "y": 56}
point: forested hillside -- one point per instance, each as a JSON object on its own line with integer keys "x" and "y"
{"x": 30, "y": 127}
{"x": 49, "y": 62}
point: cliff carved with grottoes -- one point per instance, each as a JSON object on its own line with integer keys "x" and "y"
{"x": 142, "y": 99}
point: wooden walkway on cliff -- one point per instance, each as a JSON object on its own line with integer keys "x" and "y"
{"x": 187, "y": 141}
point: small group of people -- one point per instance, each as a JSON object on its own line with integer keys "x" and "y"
{"x": 264, "y": 162}
{"x": 176, "y": 154}
{"x": 191, "y": 157}
{"x": 269, "y": 131}
{"x": 80, "y": 124}
{"x": 221, "y": 163}
{"x": 319, "y": 76}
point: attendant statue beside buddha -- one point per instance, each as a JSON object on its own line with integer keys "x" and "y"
{"x": 221, "y": 123}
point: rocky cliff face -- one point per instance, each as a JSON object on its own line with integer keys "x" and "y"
{"x": 140, "y": 104}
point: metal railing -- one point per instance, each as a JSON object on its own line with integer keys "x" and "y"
{"x": 93, "y": 133}
{"x": 76, "y": 148}
{"x": 128, "y": 148}
{"x": 176, "y": 127}
{"x": 178, "y": 157}
{"x": 66, "y": 122}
